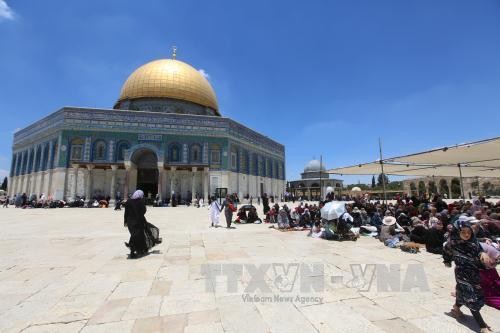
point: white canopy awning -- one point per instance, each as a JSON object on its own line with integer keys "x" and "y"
{"x": 476, "y": 159}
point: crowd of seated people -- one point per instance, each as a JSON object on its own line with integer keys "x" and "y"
{"x": 43, "y": 201}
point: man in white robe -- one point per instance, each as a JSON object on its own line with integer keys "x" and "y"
{"x": 214, "y": 212}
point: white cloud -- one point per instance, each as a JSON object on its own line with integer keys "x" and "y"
{"x": 201, "y": 70}
{"x": 6, "y": 12}
{"x": 17, "y": 129}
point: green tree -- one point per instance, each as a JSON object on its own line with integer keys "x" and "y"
{"x": 455, "y": 188}
{"x": 373, "y": 181}
{"x": 487, "y": 187}
{"x": 421, "y": 188}
{"x": 4, "y": 184}
{"x": 443, "y": 187}
{"x": 432, "y": 187}
{"x": 475, "y": 186}
{"x": 413, "y": 188}
{"x": 395, "y": 186}
{"x": 381, "y": 178}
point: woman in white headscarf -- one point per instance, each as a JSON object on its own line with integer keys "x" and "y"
{"x": 143, "y": 235}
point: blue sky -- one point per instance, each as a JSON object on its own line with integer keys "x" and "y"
{"x": 321, "y": 77}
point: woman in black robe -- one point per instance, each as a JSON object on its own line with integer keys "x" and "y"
{"x": 143, "y": 235}
{"x": 265, "y": 203}
{"x": 464, "y": 249}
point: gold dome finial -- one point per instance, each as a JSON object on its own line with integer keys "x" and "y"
{"x": 174, "y": 52}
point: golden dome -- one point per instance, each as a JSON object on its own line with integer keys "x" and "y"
{"x": 169, "y": 78}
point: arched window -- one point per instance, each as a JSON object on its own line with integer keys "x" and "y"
{"x": 261, "y": 167}
{"x": 195, "y": 153}
{"x": 76, "y": 149}
{"x": 175, "y": 153}
{"x": 215, "y": 156}
{"x": 30, "y": 161}
{"x": 45, "y": 157}
{"x": 255, "y": 165}
{"x": 244, "y": 162}
{"x": 38, "y": 155}
{"x": 120, "y": 150}
{"x": 99, "y": 150}
{"x": 234, "y": 159}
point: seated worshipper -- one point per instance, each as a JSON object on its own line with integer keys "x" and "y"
{"x": 241, "y": 216}
{"x": 418, "y": 232}
{"x": 253, "y": 217}
{"x": 143, "y": 235}
{"x": 271, "y": 215}
{"x": 342, "y": 228}
{"x": 476, "y": 206}
{"x": 482, "y": 233}
{"x": 435, "y": 237}
{"x": 283, "y": 222}
{"x": 316, "y": 231}
{"x": 365, "y": 219}
{"x": 356, "y": 215}
{"x": 287, "y": 210}
{"x": 390, "y": 229}
{"x": 425, "y": 218}
{"x": 305, "y": 219}
{"x": 295, "y": 216}
{"x": 492, "y": 227}
{"x": 403, "y": 220}
{"x": 490, "y": 281}
{"x": 276, "y": 207}
{"x": 376, "y": 220}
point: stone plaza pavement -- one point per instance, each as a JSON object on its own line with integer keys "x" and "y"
{"x": 66, "y": 270}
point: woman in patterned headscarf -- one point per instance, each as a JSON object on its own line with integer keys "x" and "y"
{"x": 468, "y": 255}
{"x": 143, "y": 235}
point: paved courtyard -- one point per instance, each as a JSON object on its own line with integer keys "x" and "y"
{"x": 66, "y": 270}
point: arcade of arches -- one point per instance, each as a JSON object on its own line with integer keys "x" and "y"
{"x": 448, "y": 187}
{"x": 144, "y": 172}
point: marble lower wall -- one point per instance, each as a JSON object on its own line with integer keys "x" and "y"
{"x": 63, "y": 183}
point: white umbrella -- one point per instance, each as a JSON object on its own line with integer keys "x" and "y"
{"x": 333, "y": 210}
{"x": 356, "y": 189}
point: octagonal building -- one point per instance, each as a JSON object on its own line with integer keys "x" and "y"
{"x": 165, "y": 135}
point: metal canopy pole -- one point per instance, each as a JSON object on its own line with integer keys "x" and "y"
{"x": 320, "y": 178}
{"x": 461, "y": 181}
{"x": 382, "y": 167}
